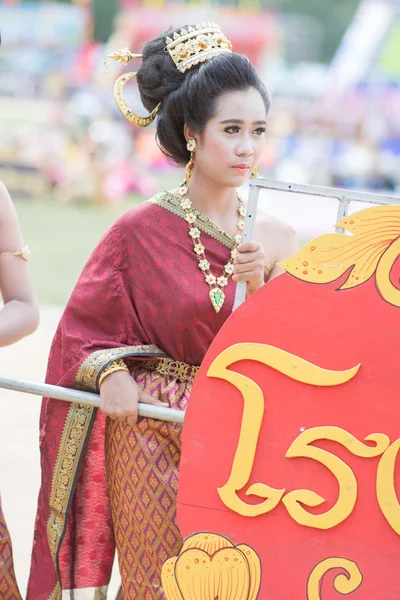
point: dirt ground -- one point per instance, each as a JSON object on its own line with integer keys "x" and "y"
{"x": 19, "y": 446}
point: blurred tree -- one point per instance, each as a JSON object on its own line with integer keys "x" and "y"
{"x": 104, "y": 12}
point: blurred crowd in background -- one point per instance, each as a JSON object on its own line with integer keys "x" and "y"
{"x": 334, "y": 119}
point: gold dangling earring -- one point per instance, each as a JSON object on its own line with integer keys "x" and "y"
{"x": 191, "y": 146}
{"x": 255, "y": 172}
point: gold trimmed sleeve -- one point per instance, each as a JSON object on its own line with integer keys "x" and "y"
{"x": 88, "y": 375}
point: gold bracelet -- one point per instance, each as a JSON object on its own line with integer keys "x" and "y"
{"x": 25, "y": 253}
{"x": 115, "y": 365}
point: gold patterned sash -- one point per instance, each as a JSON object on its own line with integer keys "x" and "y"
{"x": 174, "y": 369}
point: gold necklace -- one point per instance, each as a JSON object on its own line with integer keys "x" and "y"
{"x": 217, "y": 295}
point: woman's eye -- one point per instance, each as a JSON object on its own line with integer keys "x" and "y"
{"x": 260, "y": 131}
{"x": 232, "y": 129}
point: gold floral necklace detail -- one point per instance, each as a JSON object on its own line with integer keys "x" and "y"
{"x": 217, "y": 285}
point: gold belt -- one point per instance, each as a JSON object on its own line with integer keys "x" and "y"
{"x": 176, "y": 369}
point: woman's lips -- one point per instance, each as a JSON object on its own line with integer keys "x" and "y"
{"x": 242, "y": 169}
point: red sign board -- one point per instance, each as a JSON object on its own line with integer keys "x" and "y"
{"x": 293, "y": 429}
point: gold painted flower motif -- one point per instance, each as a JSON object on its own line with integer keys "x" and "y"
{"x": 370, "y": 251}
{"x": 229, "y": 269}
{"x": 210, "y": 279}
{"x": 209, "y": 566}
{"x": 238, "y": 238}
{"x": 199, "y": 248}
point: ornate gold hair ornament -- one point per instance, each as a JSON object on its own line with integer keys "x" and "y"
{"x": 197, "y": 44}
{"x": 187, "y": 48}
{"x": 124, "y": 56}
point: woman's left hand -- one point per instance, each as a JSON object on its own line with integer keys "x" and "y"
{"x": 249, "y": 266}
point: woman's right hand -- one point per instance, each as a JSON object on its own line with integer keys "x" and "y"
{"x": 120, "y": 395}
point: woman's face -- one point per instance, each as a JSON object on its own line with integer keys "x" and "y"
{"x": 233, "y": 140}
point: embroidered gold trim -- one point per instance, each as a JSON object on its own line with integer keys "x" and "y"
{"x": 73, "y": 437}
{"x": 172, "y": 203}
{"x": 178, "y": 370}
{"x": 56, "y": 593}
{"x": 90, "y": 370}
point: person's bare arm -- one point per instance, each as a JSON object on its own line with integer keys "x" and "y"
{"x": 279, "y": 241}
{"x": 20, "y": 315}
{"x": 286, "y": 246}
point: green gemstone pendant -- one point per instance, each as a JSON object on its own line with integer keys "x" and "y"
{"x": 217, "y": 297}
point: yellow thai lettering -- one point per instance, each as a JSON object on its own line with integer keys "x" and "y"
{"x": 385, "y": 487}
{"x": 342, "y": 472}
{"x": 253, "y": 412}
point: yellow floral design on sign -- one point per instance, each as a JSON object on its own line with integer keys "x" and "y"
{"x": 344, "y": 583}
{"x": 372, "y": 249}
{"x": 209, "y": 566}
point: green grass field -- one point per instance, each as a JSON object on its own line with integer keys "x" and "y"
{"x": 61, "y": 238}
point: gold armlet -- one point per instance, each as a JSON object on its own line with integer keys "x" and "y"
{"x": 24, "y": 253}
{"x": 116, "y": 365}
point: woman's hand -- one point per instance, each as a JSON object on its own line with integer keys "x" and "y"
{"x": 249, "y": 266}
{"x": 120, "y": 395}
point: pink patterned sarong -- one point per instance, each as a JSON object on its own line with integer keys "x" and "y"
{"x": 8, "y": 585}
{"x": 142, "y": 472}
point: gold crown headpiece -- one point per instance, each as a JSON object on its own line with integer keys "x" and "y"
{"x": 188, "y": 48}
{"x": 197, "y": 44}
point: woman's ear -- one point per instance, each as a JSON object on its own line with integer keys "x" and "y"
{"x": 189, "y": 135}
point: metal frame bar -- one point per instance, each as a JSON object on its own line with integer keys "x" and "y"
{"x": 343, "y": 196}
{"x": 69, "y": 395}
{"x": 326, "y": 192}
{"x": 251, "y": 213}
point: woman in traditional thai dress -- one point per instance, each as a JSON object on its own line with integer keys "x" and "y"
{"x": 148, "y": 304}
{"x": 18, "y": 317}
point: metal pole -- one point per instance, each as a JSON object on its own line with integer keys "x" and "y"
{"x": 343, "y": 211}
{"x": 342, "y": 195}
{"x": 326, "y": 192}
{"x": 248, "y": 231}
{"x": 59, "y": 393}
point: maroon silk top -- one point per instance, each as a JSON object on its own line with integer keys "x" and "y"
{"x": 142, "y": 285}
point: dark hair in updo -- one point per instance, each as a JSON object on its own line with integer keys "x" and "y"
{"x": 189, "y": 97}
